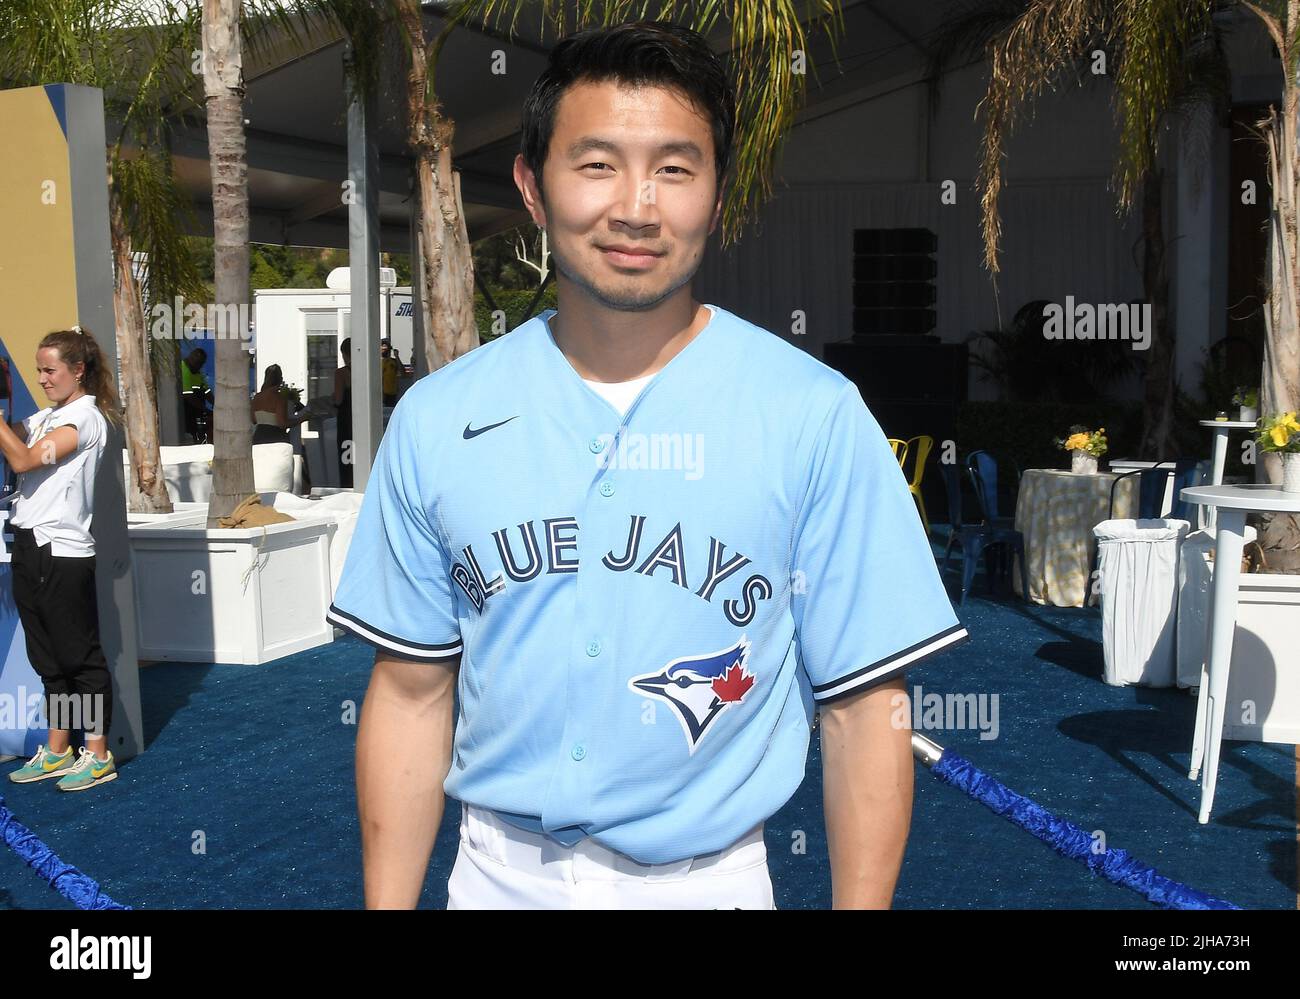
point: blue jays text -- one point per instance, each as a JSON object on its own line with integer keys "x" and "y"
{"x": 560, "y": 535}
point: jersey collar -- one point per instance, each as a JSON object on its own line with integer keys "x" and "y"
{"x": 569, "y": 372}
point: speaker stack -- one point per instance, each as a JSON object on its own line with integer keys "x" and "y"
{"x": 911, "y": 380}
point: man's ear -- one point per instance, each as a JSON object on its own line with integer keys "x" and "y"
{"x": 717, "y": 211}
{"x": 526, "y": 181}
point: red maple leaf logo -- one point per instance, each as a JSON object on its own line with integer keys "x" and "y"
{"x": 733, "y": 685}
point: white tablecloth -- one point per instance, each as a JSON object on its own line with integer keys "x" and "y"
{"x": 1056, "y": 511}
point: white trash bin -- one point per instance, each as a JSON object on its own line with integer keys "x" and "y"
{"x": 1138, "y": 562}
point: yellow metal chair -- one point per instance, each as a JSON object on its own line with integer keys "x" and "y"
{"x": 923, "y": 445}
{"x": 900, "y": 450}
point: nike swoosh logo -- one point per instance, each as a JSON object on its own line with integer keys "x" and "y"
{"x": 482, "y": 430}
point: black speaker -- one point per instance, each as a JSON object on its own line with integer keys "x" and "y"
{"x": 893, "y": 282}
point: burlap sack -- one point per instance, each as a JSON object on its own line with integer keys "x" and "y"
{"x": 251, "y": 513}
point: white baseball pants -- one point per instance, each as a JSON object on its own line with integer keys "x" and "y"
{"x": 500, "y": 866}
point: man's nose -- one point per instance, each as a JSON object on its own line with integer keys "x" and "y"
{"x": 639, "y": 204}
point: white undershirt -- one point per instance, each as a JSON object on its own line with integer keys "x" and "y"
{"x": 621, "y": 395}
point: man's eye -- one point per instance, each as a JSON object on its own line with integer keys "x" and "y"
{"x": 595, "y": 164}
{"x": 680, "y": 170}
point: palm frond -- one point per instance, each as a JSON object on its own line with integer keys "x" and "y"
{"x": 764, "y": 38}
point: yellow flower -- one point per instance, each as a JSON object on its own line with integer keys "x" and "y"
{"x": 1289, "y": 421}
{"x": 1280, "y": 435}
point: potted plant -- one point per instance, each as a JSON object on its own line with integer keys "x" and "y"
{"x": 1247, "y": 402}
{"x": 1280, "y": 433}
{"x": 1085, "y": 447}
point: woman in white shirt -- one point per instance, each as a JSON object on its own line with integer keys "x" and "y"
{"x": 53, "y": 557}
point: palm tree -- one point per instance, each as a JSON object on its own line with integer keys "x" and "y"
{"x": 1167, "y": 60}
{"x": 763, "y": 41}
{"x": 1163, "y": 47}
{"x": 1280, "y": 377}
{"x": 223, "y": 88}
{"x": 116, "y": 47}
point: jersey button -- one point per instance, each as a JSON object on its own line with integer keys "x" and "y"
{"x": 578, "y": 752}
{"x": 593, "y": 648}
{"x": 607, "y": 488}
{"x": 597, "y": 445}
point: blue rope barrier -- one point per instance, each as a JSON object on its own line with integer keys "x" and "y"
{"x": 1069, "y": 840}
{"x": 82, "y": 891}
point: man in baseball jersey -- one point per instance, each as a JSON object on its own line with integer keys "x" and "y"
{"x": 642, "y": 541}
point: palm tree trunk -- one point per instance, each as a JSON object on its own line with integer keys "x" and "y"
{"x": 223, "y": 85}
{"x": 146, "y": 489}
{"x": 1279, "y": 535}
{"x": 1158, "y": 393}
{"x": 448, "y": 292}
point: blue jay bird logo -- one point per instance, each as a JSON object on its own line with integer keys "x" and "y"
{"x": 700, "y": 688}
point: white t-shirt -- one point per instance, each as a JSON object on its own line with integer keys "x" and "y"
{"x": 57, "y": 501}
{"x": 621, "y": 395}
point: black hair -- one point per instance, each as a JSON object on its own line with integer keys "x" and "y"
{"x": 274, "y": 377}
{"x": 641, "y": 53}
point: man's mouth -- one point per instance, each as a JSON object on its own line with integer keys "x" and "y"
{"x": 629, "y": 256}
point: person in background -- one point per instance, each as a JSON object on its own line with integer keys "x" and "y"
{"x": 53, "y": 567}
{"x": 270, "y": 410}
{"x": 196, "y": 392}
{"x": 391, "y": 369}
{"x": 343, "y": 406}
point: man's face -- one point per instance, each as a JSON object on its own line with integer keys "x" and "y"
{"x": 633, "y": 168}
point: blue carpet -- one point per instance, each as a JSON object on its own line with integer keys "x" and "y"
{"x": 244, "y": 797}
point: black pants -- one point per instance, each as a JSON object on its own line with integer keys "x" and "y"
{"x": 345, "y": 440}
{"x": 56, "y": 601}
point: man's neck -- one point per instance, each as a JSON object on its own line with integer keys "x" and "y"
{"x": 606, "y": 345}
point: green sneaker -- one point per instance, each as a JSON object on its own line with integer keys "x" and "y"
{"x": 88, "y": 771}
{"x": 44, "y": 765}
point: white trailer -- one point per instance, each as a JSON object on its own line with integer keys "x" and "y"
{"x": 300, "y": 329}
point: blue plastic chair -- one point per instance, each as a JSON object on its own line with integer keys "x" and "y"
{"x": 982, "y": 467}
{"x": 975, "y": 539}
{"x": 1152, "y": 484}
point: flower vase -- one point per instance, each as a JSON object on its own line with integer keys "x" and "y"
{"x": 1083, "y": 462}
{"x": 1248, "y": 414}
{"x": 1291, "y": 472}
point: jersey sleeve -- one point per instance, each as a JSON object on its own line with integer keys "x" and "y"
{"x": 867, "y": 598}
{"x": 395, "y": 588}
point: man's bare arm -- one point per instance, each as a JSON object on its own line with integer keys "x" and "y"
{"x": 403, "y": 755}
{"x": 867, "y": 774}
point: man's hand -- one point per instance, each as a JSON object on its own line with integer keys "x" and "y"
{"x": 403, "y": 755}
{"x": 867, "y": 773}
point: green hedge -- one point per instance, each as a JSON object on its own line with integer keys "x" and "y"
{"x": 1025, "y": 432}
{"x": 514, "y": 303}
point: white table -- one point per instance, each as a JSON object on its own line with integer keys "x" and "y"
{"x": 1233, "y": 503}
{"x": 1221, "y": 429}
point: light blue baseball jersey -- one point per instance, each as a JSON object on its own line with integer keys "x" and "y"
{"x": 648, "y": 606}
